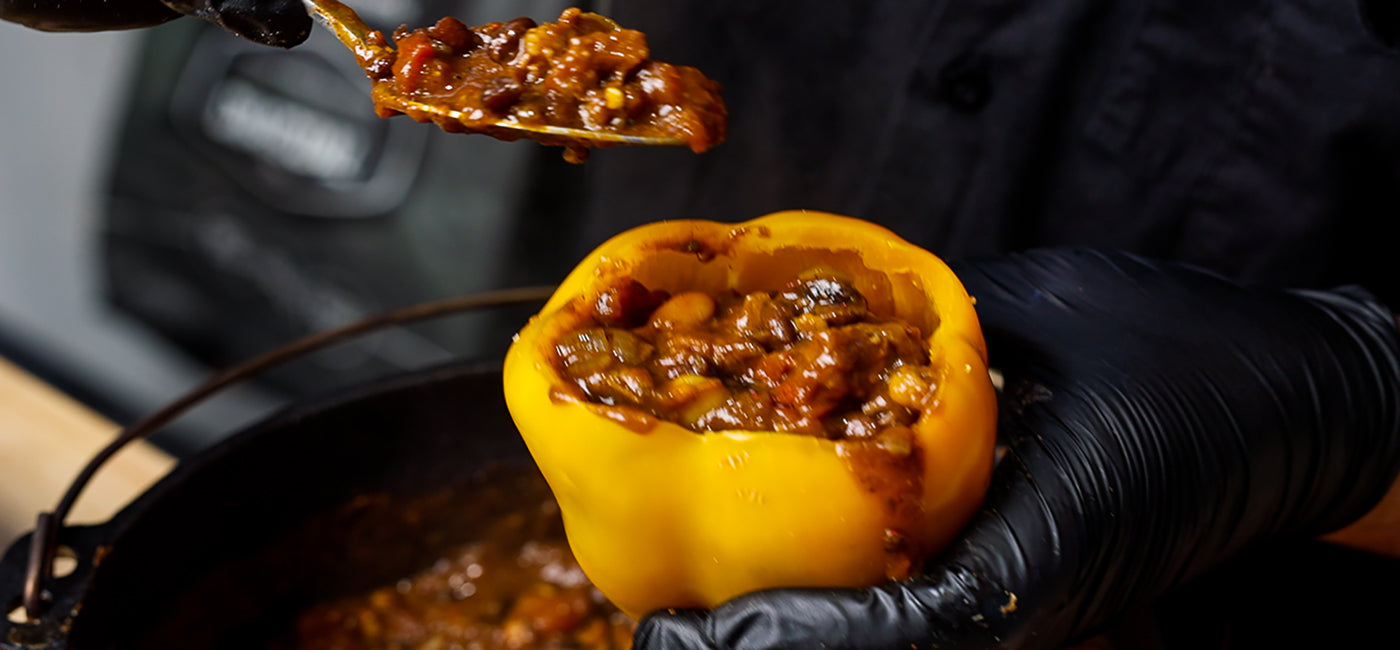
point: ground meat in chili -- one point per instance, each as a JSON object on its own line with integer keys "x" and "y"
{"x": 809, "y": 358}
{"x": 581, "y": 72}
{"x": 517, "y": 588}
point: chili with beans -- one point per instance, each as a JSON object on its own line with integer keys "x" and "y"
{"x": 808, "y": 359}
{"x": 517, "y": 588}
{"x": 582, "y": 72}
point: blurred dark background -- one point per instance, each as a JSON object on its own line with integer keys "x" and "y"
{"x": 188, "y": 200}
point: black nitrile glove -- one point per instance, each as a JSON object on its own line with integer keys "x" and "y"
{"x": 281, "y": 23}
{"x": 1159, "y": 421}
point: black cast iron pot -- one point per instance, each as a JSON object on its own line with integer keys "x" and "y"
{"x": 225, "y": 551}
{"x": 328, "y": 498}
{"x": 309, "y": 505}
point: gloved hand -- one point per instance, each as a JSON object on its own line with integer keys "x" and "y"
{"x": 1159, "y": 420}
{"x": 281, "y": 23}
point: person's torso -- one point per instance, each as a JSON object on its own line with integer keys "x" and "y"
{"x": 1259, "y": 139}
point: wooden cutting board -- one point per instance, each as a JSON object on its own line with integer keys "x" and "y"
{"x": 45, "y": 439}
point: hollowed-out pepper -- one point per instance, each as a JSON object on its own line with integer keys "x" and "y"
{"x": 661, "y": 516}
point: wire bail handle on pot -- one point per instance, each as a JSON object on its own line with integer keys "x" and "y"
{"x": 44, "y": 542}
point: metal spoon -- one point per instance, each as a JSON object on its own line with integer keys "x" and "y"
{"x": 350, "y": 30}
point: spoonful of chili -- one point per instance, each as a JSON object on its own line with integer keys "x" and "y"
{"x": 579, "y": 83}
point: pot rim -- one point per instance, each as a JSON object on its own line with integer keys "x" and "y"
{"x": 40, "y": 606}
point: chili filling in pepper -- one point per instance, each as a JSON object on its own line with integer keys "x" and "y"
{"x": 808, "y": 359}
{"x": 582, "y": 72}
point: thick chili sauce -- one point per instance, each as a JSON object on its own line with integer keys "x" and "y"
{"x": 809, "y": 359}
{"x": 581, "y": 72}
{"x": 517, "y": 587}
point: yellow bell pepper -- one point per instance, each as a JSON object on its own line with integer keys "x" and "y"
{"x": 660, "y": 516}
